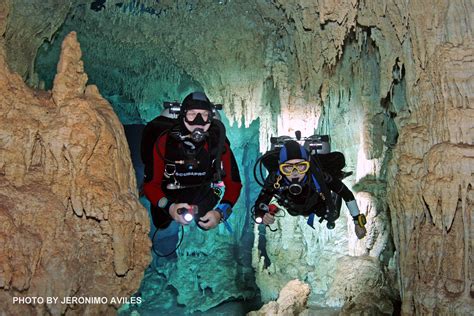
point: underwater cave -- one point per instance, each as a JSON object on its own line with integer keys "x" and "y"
{"x": 388, "y": 81}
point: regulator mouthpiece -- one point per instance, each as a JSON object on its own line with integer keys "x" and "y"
{"x": 295, "y": 187}
{"x": 198, "y": 135}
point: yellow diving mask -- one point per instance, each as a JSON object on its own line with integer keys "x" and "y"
{"x": 288, "y": 168}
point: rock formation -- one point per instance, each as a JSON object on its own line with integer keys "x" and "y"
{"x": 397, "y": 88}
{"x": 291, "y": 301}
{"x": 388, "y": 80}
{"x": 27, "y": 25}
{"x": 431, "y": 196}
{"x": 363, "y": 287}
{"x": 70, "y": 221}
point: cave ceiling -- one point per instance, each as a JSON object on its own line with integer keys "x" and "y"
{"x": 148, "y": 51}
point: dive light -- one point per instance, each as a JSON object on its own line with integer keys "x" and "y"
{"x": 272, "y": 209}
{"x": 188, "y": 213}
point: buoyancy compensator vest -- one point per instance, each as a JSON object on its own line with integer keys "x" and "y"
{"x": 167, "y": 121}
{"x": 321, "y": 160}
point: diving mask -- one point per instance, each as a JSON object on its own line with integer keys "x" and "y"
{"x": 288, "y": 168}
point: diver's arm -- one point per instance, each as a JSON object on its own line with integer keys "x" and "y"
{"x": 232, "y": 182}
{"x": 232, "y": 185}
{"x": 338, "y": 187}
{"x": 341, "y": 189}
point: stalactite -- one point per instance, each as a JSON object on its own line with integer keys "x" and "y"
{"x": 386, "y": 79}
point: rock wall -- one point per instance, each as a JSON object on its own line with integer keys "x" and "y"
{"x": 430, "y": 192}
{"x": 71, "y": 224}
{"x": 363, "y": 286}
{"x": 28, "y": 24}
{"x": 390, "y": 73}
{"x": 387, "y": 79}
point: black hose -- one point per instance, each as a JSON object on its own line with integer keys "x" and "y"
{"x": 220, "y": 148}
{"x": 316, "y": 170}
{"x": 259, "y": 163}
{"x": 157, "y": 142}
{"x": 179, "y": 243}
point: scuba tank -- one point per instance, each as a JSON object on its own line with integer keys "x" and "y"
{"x": 150, "y": 134}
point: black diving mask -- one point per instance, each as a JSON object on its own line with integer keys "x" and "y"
{"x": 193, "y": 119}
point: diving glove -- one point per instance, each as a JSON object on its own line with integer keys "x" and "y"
{"x": 359, "y": 225}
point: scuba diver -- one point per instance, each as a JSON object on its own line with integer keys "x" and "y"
{"x": 187, "y": 163}
{"x": 299, "y": 184}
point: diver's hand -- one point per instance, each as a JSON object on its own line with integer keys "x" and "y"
{"x": 174, "y": 212}
{"x": 360, "y": 231}
{"x": 359, "y": 225}
{"x": 268, "y": 219}
{"x": 210, "y": 220}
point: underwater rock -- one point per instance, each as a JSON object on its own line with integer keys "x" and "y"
{"x": 389, "y": 80}
{"x": 361, "y": 284}
{"x": 71, "y": 223}
{"x": 296, "y": 250}
{"x": 431, "y": 178}
{"x": 401, "y": 92}
{"x": 28, "y": 24}
{"x": 70, "y": 80}
{"x": 292, "y": 300}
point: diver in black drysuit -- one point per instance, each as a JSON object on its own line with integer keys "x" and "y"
{"x": 302, "y": 187}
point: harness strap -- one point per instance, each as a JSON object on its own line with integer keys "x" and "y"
{"x": 310, "y": 220}
{"x": 326, "y": 194}
{"x": 327, "y": 201}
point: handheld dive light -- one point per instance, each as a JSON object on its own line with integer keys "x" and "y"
{"x": 188, "y": 213}
{"x": 361, "y": 220}
{"x": 272, "y": 209}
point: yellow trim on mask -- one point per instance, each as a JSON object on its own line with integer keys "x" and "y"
{"x": 294, "y": 166}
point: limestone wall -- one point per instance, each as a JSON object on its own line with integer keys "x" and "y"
{"x": 400, "y": 107}
{"x": 389, "y": 80}
{"x": 70, "y": 220}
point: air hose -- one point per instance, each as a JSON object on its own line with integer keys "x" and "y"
{"x": 220, "y": 148}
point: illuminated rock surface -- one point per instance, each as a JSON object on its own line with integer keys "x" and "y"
{"x": 71, "y": 224}
{"x": 390, "y": 81}
{"x": 292, "y": 300}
